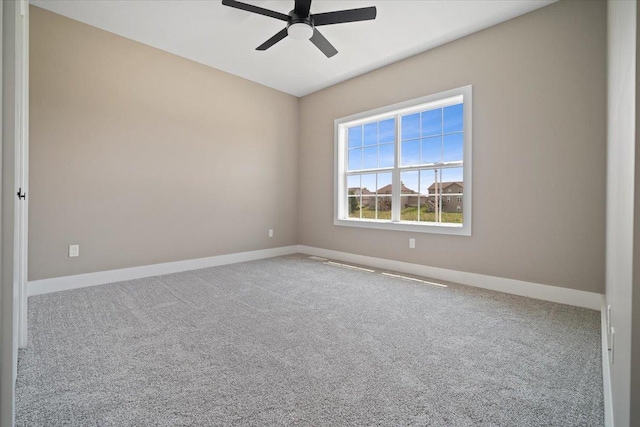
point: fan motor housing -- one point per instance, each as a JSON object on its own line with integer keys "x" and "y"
{"x": 294, "y": 18}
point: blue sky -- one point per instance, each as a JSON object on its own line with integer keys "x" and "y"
{"x": 432, "y": 136}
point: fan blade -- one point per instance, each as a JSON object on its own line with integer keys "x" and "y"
{"x": 342, "y": 16}
{"x": 302, "y": 8}
{"x": 273, "y": 40}
{"x": 256, "y": 9}
{"x": 323, "y": 44}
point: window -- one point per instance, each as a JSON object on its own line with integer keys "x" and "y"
{"x": 395, "y": 164}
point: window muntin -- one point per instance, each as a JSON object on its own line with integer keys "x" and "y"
{"x": 404, "y": 167}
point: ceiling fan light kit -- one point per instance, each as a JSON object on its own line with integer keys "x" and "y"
{"x": 301, "y": 23}
{"x": 300, "y": 31}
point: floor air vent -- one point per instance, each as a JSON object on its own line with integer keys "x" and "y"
{"x": 413, "y": 279}
{"x": 352, "y": 267}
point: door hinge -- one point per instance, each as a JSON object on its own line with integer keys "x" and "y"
{"x": 21, "y": 195}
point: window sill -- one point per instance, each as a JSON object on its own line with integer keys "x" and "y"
{"x": 414, "y": 227}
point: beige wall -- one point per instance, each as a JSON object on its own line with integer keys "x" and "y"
{"x": 142, "y": 157}
{"x": 539, "y": 93}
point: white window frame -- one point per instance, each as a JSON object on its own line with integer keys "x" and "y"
{"x": 341, "y": 126}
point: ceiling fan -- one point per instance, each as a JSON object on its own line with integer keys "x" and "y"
{"x": 301, "y": 24}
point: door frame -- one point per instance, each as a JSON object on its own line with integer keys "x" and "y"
{"x": 22, "y": 169}
{"x": 14, "y": 71}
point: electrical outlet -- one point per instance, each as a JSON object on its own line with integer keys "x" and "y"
{"x": 412, "y": 243}
{"x": 271, "y": 232}
{"x": 74, "y": 250}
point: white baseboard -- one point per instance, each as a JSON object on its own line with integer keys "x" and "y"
{"x": 533, "y": 290}
{"x": 557, "y": 294}
{"x": 606, "y": 370}
{"x": 57, "y": 284}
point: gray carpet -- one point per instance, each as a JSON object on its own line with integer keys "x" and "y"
{"x": 292, "y": 341}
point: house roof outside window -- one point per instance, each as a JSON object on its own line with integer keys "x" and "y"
{"x": 405, "y": 190}
{"x": 446, "y": 185}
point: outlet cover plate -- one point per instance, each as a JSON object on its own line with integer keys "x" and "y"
{"x": 74, "y": 250}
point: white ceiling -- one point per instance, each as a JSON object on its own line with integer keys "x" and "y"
{"x": 225, "y": 38}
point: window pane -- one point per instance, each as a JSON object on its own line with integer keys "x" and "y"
{"x": 355, "y": 159}
{"x": 370, "y": 157}
{"x": 409, "y": 181}
{"x": 427, "y": 178}
{"x": 453, "y": 175}
{"x": 387, "y": 131}
{"x": 411, "y": 126}
{"x": 354, "y": 206}
{"x": 368, "y": 207}
{"x": 371, "y": 134}
{"x": 384, "y": 183}
{"x": 428, "y": 190}
{"x": 432, "y": 122}
{"x": 353, "y": 183}
{"x": 368, "y": 184}
{"x": 409, "y": 198}
{"x": 452, "y": 147}
{"x": 355, "y": 137}
{"x": 353, "y": 200}
{"x": 432, "y": 150}
{"x": 452, "y": 187}
{"x": 383, "y": 204}
{"x": 409, "y": 213}
{"x": 384, "y": 207}
{"x": 386, "y": 156}
{"x": 453, "y": 118}
{"x": 411, "y": 153}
